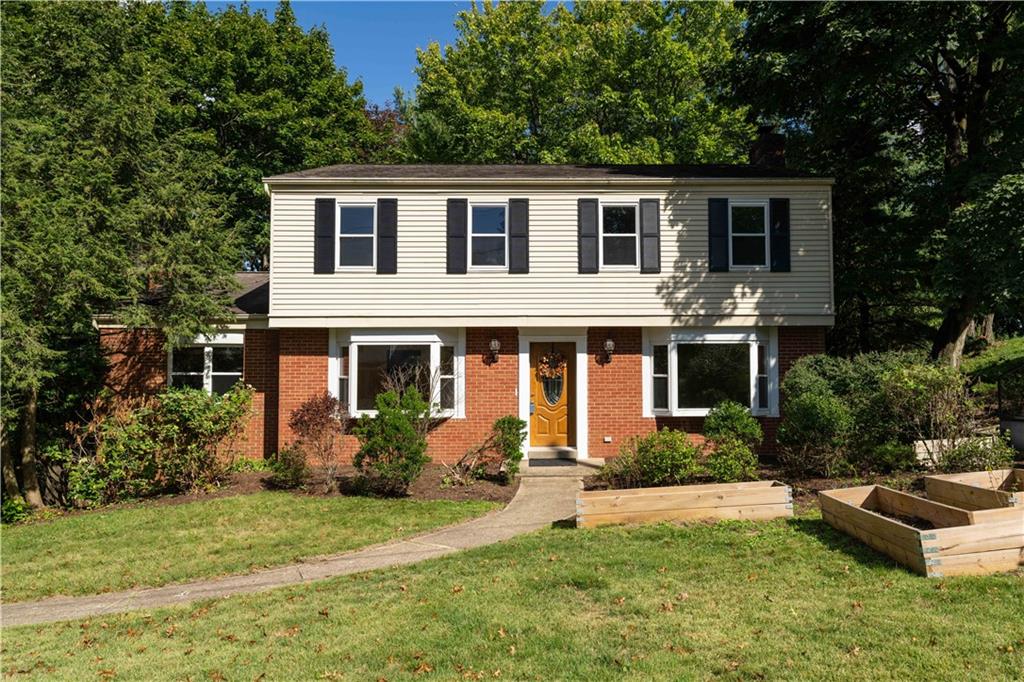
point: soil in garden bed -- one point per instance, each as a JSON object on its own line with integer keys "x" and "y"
{"x": 912, "y": 521}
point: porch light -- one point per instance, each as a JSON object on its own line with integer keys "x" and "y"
{"x": 609, "y": 349}
{"x": 495, "y": 346}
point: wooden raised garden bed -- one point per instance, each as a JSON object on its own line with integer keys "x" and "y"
{"x": 992, "y": 495}
{"x": 930, "y": 538}
{"x": 751, "y": 500}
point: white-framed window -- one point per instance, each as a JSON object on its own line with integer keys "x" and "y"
{"x": 488, "y": 236}
{"x": 748, "y": 234}
{"x": 620, "y": 236}
{"x": 362, "y": 362}
{"x": 687, "y": 372}
{"x": 213, "y": 364}
{"x": 357, "y": 236}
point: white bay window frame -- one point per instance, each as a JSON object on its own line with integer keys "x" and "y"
{"x": 353, "y": 340}
{"x": 753, "y": 337}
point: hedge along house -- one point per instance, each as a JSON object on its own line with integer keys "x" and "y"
{"x": 595, "y": 302}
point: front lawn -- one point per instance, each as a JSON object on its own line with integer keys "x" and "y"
{"x": 156, "y": 544}
{"x": 991, "y": 362}
{"x": 789, "y": 599}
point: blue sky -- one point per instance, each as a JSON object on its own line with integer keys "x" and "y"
{"x": 375, "y": 41}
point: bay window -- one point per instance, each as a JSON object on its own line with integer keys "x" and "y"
{"x": 364, "y": 365}
{"x": 690, "y": 371}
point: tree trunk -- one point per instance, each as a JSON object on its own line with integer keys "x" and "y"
{"x": 988, "y": 328}
{"x": 952, "y": 334}
{"x": 29, "y": 480}
{"x": 11, "y": 490}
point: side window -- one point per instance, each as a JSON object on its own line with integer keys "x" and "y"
{"x": 659, "y": 391}
{"x": 356, "y": 233}
{"x": 488, "y": 236}
{"x": 214, "y": 369}
{"x": 619, "y": 235}
{"x": 748, "y": 234}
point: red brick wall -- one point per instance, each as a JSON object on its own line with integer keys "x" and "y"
{"x": 136, "y": 360}
{"x": 302, "y": 373}
{"x": 137, "y": 365}
{"x": 614, "y": 389}
{"x": 260, "y": 370}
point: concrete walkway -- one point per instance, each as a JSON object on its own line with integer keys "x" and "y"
{"x": 539, "y": 503}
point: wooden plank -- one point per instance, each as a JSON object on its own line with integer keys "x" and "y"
{"x": 982, "y": 516}
{"x": 965, "y": 496}
{"x": 684, "y": 499}
{"x": 761, "y": 512}
{"x": 742, "y": 485}
{"x": 859, "y": 495}
{"x": 893, "y": 531}
{"x": 981, "y": 563}
{"x": 911, "y": 559}
{"x": 971, "y": 539}
{"x": 940, "y": 515}
{"x": 982, "y": 479}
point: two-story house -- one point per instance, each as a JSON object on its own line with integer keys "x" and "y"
{"x": 595, "y": 302}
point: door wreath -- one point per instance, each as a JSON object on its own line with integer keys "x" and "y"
{"x": 551, "y": 365}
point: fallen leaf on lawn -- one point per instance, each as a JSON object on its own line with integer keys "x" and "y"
{"x": 259, "y": 678}
{"x": 108, "y": 674}
{"x": 512, "y": 650}
{"x": 290, "y": 632}
{"x": 667, "y": 607}
{"x": 502, "y": 633}
{"x": 423, "y": 667}
{"x": 553, "y": 557}
{"x": 216, "y": 676}
{"x": 857, "y": 606}
{"x": 682, "y": 596}
{"x": 620, "y": 600}
{"x": 324, "y": 612}
{"x": 331, "y": 675}
{"x": 752, "y": 577}
{"x": 855, "y": 650}
{"x": 662, "y": 569}
{"x": 457, "y": 589}
{"x": 403, "y": 588}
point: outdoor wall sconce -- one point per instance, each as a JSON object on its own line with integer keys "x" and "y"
{"x": 495, "y": 346}
{"x": 609, "y": 349}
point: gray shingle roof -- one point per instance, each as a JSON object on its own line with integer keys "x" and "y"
{"x": 536, "y": 172}
{"x": 253, "y": 294}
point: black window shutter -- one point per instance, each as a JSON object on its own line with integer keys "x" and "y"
{"x": 387, "y": 236}
{"x": 718, "y": 235}
{"x": 323, "y": 237}
{"x": 650, "y": 235}
{"x": 518, "y": 236}
{"x": 456, "y": 236}
{"x": 586, "y": 226}
{"x": 778, "y": 221}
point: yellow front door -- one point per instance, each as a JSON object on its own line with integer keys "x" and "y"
{"x": 552, "y": 391}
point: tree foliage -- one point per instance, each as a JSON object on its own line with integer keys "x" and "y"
{"x": 135, "y": 139}
{"x": 915, "y": 109}
{"x": 600, "y": 83}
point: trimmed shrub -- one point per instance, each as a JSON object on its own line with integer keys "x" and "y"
{"x": 814, "y": 435}
{"x": 507, "y": 437}
{"x": 661, "y": 458}
{"x": 289, "y": 467}
{"x": 889, "y": 457}
{"x": 320, "y": 425}
{"x": 392, "y": 450}
{"x": 977, "y": 454}
{"x": 731, "y": 460}
{"x": 728, "y": 420}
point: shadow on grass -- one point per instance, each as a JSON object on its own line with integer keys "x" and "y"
{"x": 836, "y": 540}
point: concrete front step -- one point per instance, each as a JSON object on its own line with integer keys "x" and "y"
{"x": 557, "y": 467}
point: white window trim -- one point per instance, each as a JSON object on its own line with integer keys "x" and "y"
{"x": 767, "y": 336}
{"x": 207, "y": 343}
{"x": 470, "y": 205}
{"x": 600, "y": 232}
{"x": 353, "y": 339}
{"x": 339, "y": 236}
{"x": 760, "y": 203}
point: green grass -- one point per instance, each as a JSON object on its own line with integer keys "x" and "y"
{"x": 790, "y": 599}
{"x": 154, "y": 545}
{"x": 995, "y": 359}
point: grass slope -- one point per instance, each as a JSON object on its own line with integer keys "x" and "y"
{"x": 790, "y": 599}
{"x": 995, "y": 359}
{"x": 154, "y": 545}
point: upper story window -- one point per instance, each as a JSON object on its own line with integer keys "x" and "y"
{"x": 213, "y": 367}
{"x": 748, "y": 234}
{"x": 488, "y": 236}
{"x": 357, "y": 230}
{"x": 620, "y": 229}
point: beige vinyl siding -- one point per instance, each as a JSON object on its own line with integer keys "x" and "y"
{"x": 553, "y": 290}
